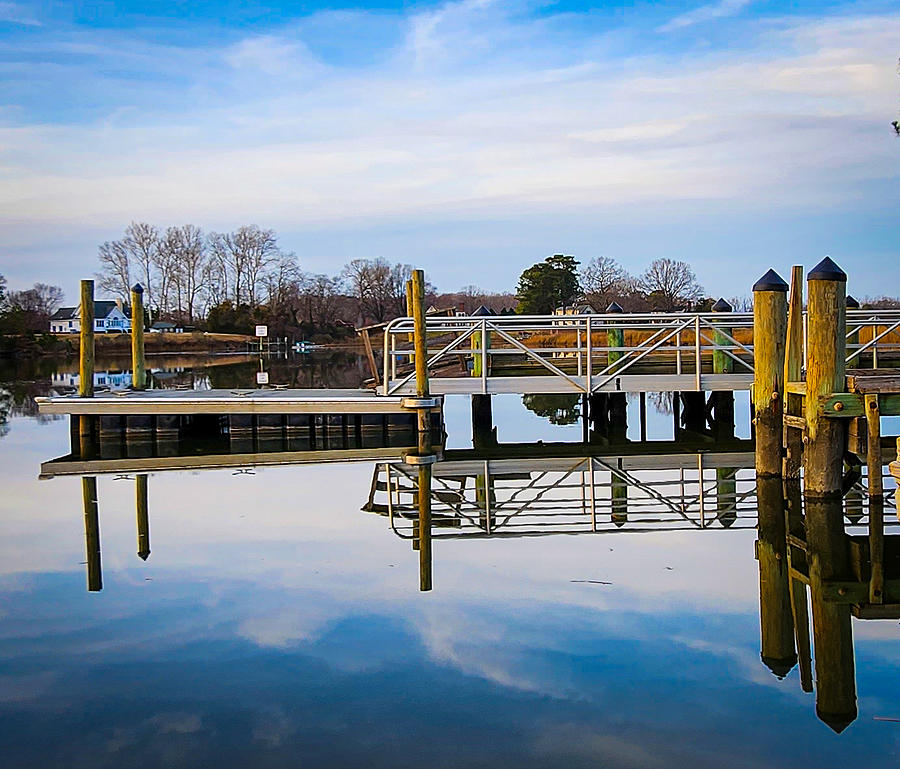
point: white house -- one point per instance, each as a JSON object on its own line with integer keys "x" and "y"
{"x": 109, "y": 317}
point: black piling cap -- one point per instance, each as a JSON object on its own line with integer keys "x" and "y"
{"x": 771, "y": 281}
{"x": 722, "y": 306}
{"x": 852, "y": 304}
{"x": 827, "y": 270}
{"x": 482, "y": 311}
{"x": 137, "y": 288}
{"x": 614, "y": 307}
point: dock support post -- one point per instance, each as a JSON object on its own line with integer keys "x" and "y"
{"x": 143, "y": 516}
{"x": 138, "y": 370}
{"x": 92, "y": 533}
{"x": 776, "y": 621}
{"x": 86, "y": 351}
{"x": 769, "y": 337}
{"x": 825, "y": 374}
{"x": 793, "y": 367}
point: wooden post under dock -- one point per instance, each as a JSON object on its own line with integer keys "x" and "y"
{"x": 138, "y": 361}
{"x": 825, "y": 375}
{"x": 793, "y": 369}
{"x": 769, "y": 334}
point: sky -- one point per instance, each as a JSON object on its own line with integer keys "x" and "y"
{"x": 468, "y": 138}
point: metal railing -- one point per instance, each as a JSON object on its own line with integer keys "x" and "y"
{"x": 594, "y": 353}
{"x": 574, "y": 352}
{"x": 882, "y": 327}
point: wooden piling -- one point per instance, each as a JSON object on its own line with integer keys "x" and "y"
{"x": 420, "y": 344}
{"x": 825, "y": 375}
{"x": 769, "y": 338}
{"x": 86, "y": 353}
{"x": 86, "y": 350}
{"x": 143, "y": 516}
{"x": 92, "y": 533}
{"x": 793, "y": 369}
{"x": 138, "y": 361}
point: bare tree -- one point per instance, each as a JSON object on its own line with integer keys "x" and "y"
{"x": 670, "y": 284}
{"x": 320, "y": 297}
{"x": 184, "y": 258}
{"x": 41, "y": 299}
{"x": 142, "y": 242}
{"x": 245, "y": 254}
{"x": 603, "y": 280}
{"x": 371, "y": 284}
{"x": 115, "y": 269}
{"x": 131, "y": 257}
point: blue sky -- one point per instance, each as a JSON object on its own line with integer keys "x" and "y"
{"x": 471, "y": 138}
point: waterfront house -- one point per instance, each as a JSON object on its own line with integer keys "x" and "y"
{"x": 109, "y": 317}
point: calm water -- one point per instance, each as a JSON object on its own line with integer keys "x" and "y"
{"x": 275, "y": 623}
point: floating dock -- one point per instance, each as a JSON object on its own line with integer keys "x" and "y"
{"x": 236, "y": 401}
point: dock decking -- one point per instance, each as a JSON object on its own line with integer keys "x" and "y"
{"x": 234, "y": 401}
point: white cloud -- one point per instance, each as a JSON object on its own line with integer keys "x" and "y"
{"x": 720, "y": 10}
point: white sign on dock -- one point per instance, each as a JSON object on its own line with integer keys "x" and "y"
{"x": 262, "y": 377}
{"x": 262, "y": 330}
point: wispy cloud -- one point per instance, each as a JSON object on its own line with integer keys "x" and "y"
{"x": 706, "y": 13}
{"x": 13, "y": 13}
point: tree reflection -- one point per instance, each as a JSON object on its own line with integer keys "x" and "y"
{"x": 557, "y": 409}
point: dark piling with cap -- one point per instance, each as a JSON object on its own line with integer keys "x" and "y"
{"x": 769, "y": 334}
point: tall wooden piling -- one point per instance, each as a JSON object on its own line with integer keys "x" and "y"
{"x": 138, "y": 361}
{"x": 793, "y": 367}
{"x": 143, "y": 516}
{"x": 91, "y": 533}
{"x": 769, "y": 334}
{"x": 86, "y": 354}
{"x": 86, "y": 349}
{"x": 825, "y": 375}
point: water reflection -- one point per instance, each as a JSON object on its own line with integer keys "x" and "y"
{"x": 813, "y": 557}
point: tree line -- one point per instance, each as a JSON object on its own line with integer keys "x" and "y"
{"x": 230, "y": 281}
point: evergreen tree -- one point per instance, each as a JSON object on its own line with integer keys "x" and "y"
{"x": 547, "y": 285}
